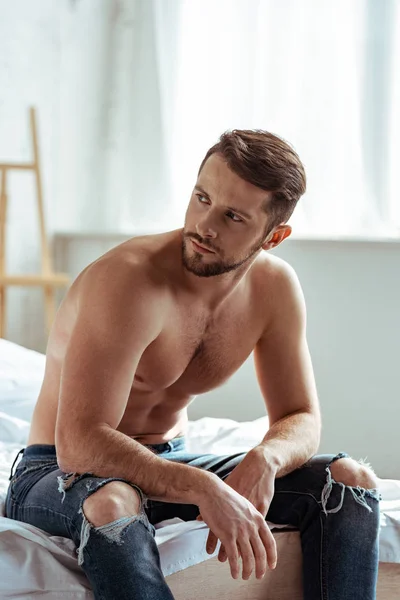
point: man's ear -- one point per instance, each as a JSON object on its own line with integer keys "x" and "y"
{"x": 276, "y": 237}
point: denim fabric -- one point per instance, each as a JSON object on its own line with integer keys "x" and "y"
{"x": 338, "y": 524}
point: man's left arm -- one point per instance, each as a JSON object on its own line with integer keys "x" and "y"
{"x": 285, "y": 375}
{"x": 286, "y": 378}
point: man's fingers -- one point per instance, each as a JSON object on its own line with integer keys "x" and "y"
{"x": 233, "y": 555}
{"x": 270, "y": 546}
{"x": 212, "y": 539}
{"x": 247, "y": 554}
{"x": 257, "y": 552}
{"x": 212, "y": 542}
{"x": 260, "y": 556}
{"x": 222, "y": 556}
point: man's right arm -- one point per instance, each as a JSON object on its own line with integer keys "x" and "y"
{"x": 120, "y": 313}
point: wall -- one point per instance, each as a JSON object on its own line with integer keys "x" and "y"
{"x": 352, "y": 291}
{"x": 29, "y": 75}
{"x": 90, "y": 67}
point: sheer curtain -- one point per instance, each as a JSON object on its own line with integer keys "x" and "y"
{"x": 112, "y": 175}
{"x": 323, "y": 75}
{"x": 148, "y": 86}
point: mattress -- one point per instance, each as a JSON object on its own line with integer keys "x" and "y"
{"x": 32, "y": 561}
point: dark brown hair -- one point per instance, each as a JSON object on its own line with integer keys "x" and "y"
{"x": 268, "y": 162}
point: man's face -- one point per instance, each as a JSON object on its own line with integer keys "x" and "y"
{"x": 225, "y": 215}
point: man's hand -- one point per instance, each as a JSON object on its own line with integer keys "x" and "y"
{"x": 253, "y": 479}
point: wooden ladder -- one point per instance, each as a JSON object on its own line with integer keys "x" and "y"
{"x": 46, "y": 278}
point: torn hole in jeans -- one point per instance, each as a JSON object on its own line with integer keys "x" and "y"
{"x": 359, "y": 493}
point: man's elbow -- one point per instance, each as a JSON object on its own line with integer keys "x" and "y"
{"x": 317, "y": 428}
{"x": 68, "y": 450}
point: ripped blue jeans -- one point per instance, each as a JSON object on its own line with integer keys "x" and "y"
{"x": 338, "y": 524}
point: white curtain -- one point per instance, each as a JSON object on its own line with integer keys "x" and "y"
{"x": 323, "y": 75}
{"x": 112, "y": 174}
{"x": 148, "y": 86}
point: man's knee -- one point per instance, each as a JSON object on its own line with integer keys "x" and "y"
{"x": 352, "y": 473}
{"x": 114, "y": 500}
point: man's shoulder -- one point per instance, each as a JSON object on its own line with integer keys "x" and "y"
{"x": 281, "y": 291}
{"x": 128, "y": 265}
{"x": 120, "y": 267}
{"x": 119, "y": 293}
{"x": 274, "y": 270}
{"x": 125, "y": 276}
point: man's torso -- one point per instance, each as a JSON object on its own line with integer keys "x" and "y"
{"x": 196, "y": 351}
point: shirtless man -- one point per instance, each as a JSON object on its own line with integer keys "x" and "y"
{"x": 142, "y": 331}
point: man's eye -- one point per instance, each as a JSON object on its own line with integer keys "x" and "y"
{"x": 236, "y": 219}
{"x": 231, "y": 215}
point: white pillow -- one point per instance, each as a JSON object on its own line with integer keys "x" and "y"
{"x": 21, "y": 377}
{"x": 13, "y": 430}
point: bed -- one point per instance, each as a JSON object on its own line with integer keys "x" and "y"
{"x": 33, "y": 562}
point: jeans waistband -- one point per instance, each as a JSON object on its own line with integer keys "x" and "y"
{"x": 40, "y": 450}
{"x": 49, "y": 450}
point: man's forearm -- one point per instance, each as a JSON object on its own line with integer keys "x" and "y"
{"x": 291, "y": 442}
{"x": 106, "y": 452}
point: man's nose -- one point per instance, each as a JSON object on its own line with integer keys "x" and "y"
{"x": 205, "y": 228}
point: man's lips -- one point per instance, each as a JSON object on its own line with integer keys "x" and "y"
{"x": 199, "y": 246}
{"x": 202, "y": 248}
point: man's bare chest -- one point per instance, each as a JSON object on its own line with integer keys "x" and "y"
{"x": 195, "y": 354}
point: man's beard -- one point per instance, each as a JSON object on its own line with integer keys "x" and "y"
{"x": 194, "y": 264}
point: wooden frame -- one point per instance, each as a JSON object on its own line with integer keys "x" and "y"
{"x": 46, "y": 279}
{"x": 212, "y": 579}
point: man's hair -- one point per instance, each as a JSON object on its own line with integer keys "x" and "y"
{"x": 268, "y": 162}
